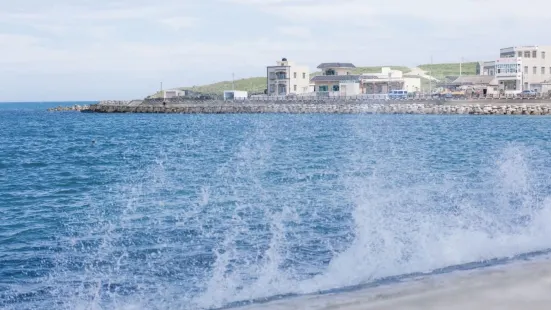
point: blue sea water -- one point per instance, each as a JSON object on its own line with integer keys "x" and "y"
{"x": 139, "y": 211}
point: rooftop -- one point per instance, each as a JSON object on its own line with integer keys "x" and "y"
{"x": 322, "y": 78}
{"x": 326, "y": 65}
{"x": 473, "y": 79}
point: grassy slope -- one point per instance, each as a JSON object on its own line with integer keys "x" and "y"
{"x": 252, "y": 85}
{"x": 442, "y": 70}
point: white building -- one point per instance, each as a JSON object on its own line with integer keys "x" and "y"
{"x": 521, "y": 68}
{"x": 336, "y": 80}
{"x": 235, "y": 95}
{"x": 508, "y": 72}
{"x": 388, "y": 80}
{"x": 173, "y": 93}
{"x": 287, "y": 78}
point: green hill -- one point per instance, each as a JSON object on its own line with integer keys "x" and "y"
{"x": 441, "y": 70}
{"x": 252, "y": 85}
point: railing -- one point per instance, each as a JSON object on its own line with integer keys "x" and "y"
{"x": 313, "y": 97}
{"x": 410, "y": 97}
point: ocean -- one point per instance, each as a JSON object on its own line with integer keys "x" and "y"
{"x": 164, "y": 211}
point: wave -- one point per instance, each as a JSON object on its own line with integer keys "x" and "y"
{"x": 279, "y": 216}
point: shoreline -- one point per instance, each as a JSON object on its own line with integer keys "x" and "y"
{"x": 490, "y": 107}
{"x": 522, "y": 285}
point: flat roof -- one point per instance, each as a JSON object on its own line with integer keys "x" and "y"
{"x": 323, "y": 78}
{"x": 326, "y": 65}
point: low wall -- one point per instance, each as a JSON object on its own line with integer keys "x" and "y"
{"x": 344, "y": 107}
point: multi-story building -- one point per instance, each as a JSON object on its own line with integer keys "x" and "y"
{"x": 336, "y": 79}
{"x": 521, "y": 67}
{"x": 509, "y": 75}
{"x": 286, "y": 78}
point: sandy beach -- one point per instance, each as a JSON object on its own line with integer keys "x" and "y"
{"x": 524, "y": 285}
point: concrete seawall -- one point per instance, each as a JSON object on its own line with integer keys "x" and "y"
{"x": 507, "y": 107}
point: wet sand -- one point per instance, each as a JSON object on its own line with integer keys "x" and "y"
{"x": 523, "y": 286}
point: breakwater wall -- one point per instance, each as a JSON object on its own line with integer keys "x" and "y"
{"x": 345, "y": 107}
{"x": 75, "y": 107}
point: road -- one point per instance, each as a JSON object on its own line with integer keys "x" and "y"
{"x": 420, "y": 72}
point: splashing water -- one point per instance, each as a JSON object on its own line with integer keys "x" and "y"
{"x": 252, "y": 208}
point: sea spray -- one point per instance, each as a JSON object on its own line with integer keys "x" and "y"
{"x": 191, "y": 212}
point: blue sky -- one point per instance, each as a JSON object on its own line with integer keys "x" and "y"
{"x": 123, "y": 49}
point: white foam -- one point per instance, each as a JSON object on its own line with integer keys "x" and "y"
{"x": 518, "y": 286}
{"x": 404, "y": 226}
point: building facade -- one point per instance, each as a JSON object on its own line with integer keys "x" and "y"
{"x": 286, "y": 78}
{"x": 336, "y": 80}
{"x": 509, "y": 75}
{"x": 389, "y": 80}
{"x": 520, "y": 68}
{"x": 488, "y": 68}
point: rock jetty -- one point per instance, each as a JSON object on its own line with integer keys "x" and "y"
{"x": 75, "y": 107}
{"x": 468, "y": 108}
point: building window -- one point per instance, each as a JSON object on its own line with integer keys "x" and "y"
{"x": 294, "y": 75}
{"x": 295, "y": 88}
{"x": 323, "y": 88}
{"x": 498, "y": 70}
{"x": 526, "y": 54}
{"x": 336, "y": 88}
{"x": 534, "y": 54}
{"x": 542, "y": 55}
{"x": 303, "y": 75}
{"x": 542, "y": 70}
{"x": 535, "y": 70}
{"x": 519, "y": 54}
{"x": 329, "y": 72}
{"x": 525, "y": 69}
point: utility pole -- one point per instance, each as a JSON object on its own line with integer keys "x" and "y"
{"x": 162, "y": 94}
{"x": 460, "y": 66}
{"x": 388, "y": 90}
{"x": 232, "y": 81}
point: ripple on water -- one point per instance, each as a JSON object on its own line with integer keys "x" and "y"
{"x": 191, "y": 211}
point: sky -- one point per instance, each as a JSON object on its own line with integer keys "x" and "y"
{"x": 123, "y": 49}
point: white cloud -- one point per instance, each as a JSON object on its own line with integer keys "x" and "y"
{"x": 180, "y": 23}
{"x": 295, "y": 31}
{"x": 437, "y": 10}
{"x": 185, "y": 39}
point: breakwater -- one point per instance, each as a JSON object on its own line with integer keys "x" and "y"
{"x": 75, "y": 107}
{"x": 345, "y": 107}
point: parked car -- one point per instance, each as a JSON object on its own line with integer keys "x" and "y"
{"x": 398, "y": 94}
{"x": 528, "y": 93}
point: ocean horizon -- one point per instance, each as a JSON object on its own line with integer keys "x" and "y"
{"x": 37, "y": 105}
